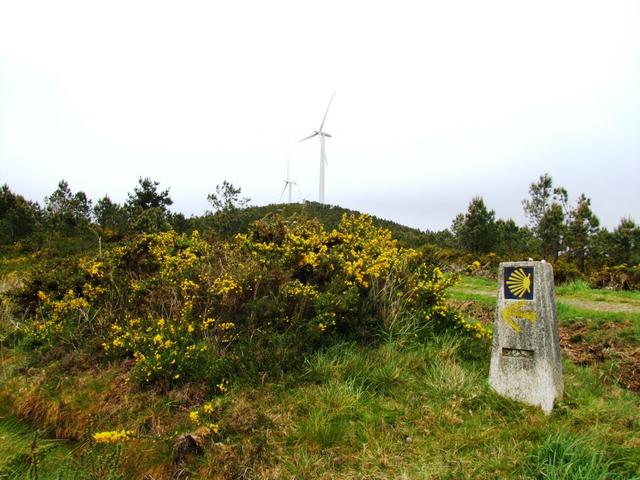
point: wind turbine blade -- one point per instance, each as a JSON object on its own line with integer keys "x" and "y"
{"x": 325, "y": 113}
{"x": 285, "y": 187}
{"x": 307, "y": 138}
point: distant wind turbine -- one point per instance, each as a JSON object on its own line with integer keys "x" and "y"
{"x": 321, "y": 134}
{"x": 289, "y": 183}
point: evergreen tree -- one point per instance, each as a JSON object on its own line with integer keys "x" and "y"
{"x": 67, "y": 211}
{"x": 226, "y": 203}
{"x": 536, "y": 206}
{"x": 551, "y": 232}
{"x": 581, "y": 230}
{"x": 511, "y": 238}
{"x": 476, "y": 231}
{"x": 110, "y": 217}
{"x": 227, "y": 198}
{"x": 146, "y": 195}
{"x": 180, "y": 223}
{"x": 546, "y": 209}
{"x": 19, "y": 218}
{"x": 624, "y": 243}
{"x": 147, "y": 207}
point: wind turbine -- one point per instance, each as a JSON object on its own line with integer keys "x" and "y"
{"x": 288, "y": 183}
{"x": 321, "y": 134}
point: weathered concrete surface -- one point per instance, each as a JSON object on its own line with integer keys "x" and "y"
{"x": 525, "y": 360}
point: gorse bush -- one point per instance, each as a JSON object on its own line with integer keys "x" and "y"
{"x": 618, "y": 277}
{"x": 183, "y": 308}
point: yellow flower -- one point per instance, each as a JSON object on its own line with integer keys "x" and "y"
{"x": 112, "y": 437}
{"x": 194, "y": 416}
{"x": 207, "y": 408}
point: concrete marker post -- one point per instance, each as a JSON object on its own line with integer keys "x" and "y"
{"x": 525, "y": 359}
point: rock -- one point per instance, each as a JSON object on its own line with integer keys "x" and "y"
{"x": 190, "y": 443}
{"x": 525, "y": 359}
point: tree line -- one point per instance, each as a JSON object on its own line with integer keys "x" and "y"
{"x": 67, "y": 215}
{"x": 556, "y": 230}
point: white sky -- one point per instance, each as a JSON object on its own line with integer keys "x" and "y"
{"x": 436, "y": 101}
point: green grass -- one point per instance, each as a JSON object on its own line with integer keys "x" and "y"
{"x": 576, "y": 290}
{"x": 397, "y": 409}
{"x": 569, "y": 314}
{"x": 484, "y": 299}
{"x": 16, "y": 459}
{"x": 477, "y": 283}
{"x": 426, "y": 411}
{"x": 563, "y": 457}
{"x": 580, "y": 289}
{"x": 418, "y": 410}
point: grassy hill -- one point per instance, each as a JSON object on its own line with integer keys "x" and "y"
{"x": 329, "y": 216}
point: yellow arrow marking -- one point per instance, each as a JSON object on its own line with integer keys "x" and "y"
{"x": 518, "y": 310}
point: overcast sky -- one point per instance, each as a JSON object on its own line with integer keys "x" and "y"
{"x": 436, "y": 102}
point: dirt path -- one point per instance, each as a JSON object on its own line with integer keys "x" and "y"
{"x": 628, "y": 306}
{"x": 602, "y": 306}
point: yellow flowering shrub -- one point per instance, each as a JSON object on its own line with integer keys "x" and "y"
{"x": 54, "y": 316}
{"x": 205, "y": 416}
{"x": 184, "y": 308}
{"x": 162, "y": 349}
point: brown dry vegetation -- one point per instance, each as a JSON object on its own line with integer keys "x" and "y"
{"x": 582, "y": 346}
{"x": 593, "y": 352}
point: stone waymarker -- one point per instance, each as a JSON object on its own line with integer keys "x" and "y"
{"x": 525, "y": 360}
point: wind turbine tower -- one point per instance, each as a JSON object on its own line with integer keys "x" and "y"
{"x": 321, "y": 134}
{"x": 288, "y": 183}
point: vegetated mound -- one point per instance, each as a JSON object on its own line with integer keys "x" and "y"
{"x": 176, "y": 315}
{"x": 180, "y": 309}
{"x": 329, "y": 216}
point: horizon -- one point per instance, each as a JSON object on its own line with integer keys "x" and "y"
{"x": 301, "y": 202}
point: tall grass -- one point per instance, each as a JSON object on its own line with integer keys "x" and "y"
{"x": 573, "y": 287}
{"x": 566, "y": 457}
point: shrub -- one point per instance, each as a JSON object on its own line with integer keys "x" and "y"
{"x": 565, "y": 271}
{"x": 183, "y": 308}
{"x": 619, "y": 277}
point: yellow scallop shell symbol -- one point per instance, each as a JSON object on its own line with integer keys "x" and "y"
{"x": 519, "y": 283}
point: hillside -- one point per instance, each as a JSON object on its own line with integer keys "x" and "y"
{"x": 295, "y": 350}
{"x": 329, "y": 216}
